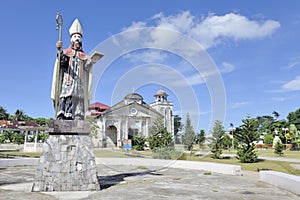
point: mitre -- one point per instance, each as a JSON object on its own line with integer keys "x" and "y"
{"x": 75, "y": 27}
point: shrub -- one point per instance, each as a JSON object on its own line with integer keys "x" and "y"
{"x": 278, "y": 148}
{"x": 216, "y": 145}
{"x": 247, "y": 154}
{"x": 247, "y": 134}
{"x": 2, "y": 139}
{"x": 167, "y": 153}
{"x": 161, "y": 139}
{"x": 268, "y": 139}
{"x": 189, "y": 134}
{"x": 139, "y": 141}
{"x": 18, "y": 138}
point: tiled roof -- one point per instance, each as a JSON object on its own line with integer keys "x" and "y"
{"x": 98, "y": 106}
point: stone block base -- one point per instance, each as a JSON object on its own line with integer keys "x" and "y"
{"x": 67, "y": 163}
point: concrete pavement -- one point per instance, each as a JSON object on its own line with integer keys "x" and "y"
{"x": 143, "y": 181}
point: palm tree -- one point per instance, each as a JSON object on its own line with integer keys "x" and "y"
{"x": 3, "y": 114}
{"x": 19, "y": 115}
{"x": 276, "y": 114}
{"x": 8, "y": 135}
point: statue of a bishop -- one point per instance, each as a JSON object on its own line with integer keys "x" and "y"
{"x": 72, "y": 77}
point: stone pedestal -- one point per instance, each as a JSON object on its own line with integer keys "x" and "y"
{"x": 67, "y": 162}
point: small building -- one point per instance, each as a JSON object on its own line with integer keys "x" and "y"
{"x": 95, "y": 109}
{"x": 131, "y": 116}
{"x": 26, "y": 128}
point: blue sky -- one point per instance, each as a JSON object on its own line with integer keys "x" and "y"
{"x": 234, "y": 57}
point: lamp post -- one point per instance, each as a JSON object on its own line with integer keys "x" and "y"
{"x": 232, "y": 129}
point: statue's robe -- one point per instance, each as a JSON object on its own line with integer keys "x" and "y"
{"x": 71, "y": 84}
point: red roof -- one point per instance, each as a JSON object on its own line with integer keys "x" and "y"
{"x": 16, "y": 124}
{"x": 98, "y": 106}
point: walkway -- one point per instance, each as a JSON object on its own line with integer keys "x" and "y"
{"x": 138, "y": 181}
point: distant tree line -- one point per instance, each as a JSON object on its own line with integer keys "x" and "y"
{"x": 19, "y": 115}
{"x": 252, "y": 130}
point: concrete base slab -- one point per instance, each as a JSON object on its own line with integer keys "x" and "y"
{"x": 179, "y": 164}
{"x": 146, "y": 182}
{"x": 18, "y": 162}
{"x": 282, "y": 180}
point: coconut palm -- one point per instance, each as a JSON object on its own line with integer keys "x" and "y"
{"x": 3, "y": 114}
{"x": 19, "y": 115}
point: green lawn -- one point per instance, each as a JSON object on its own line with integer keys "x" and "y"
{"x": 107, "y": 153}
{"x": 284, "y": 167}
{"x": 279, "y": 166}
{"x": 11, "y": 154}
{"x": 261, "y": 152}
{"x": 270, "y": 153}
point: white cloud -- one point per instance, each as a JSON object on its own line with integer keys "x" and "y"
{"x": 293, "y": 85}
{"x": 227, "y": 67}
{"x": 294, "y": 62}
{"x": 195, "y": 79}
{"x": 240, "y": 104}
{"x": 280, "y": 99}
{"x": 147, "y": 56}
{"x": 210, "y": 30}
{"x": 296, "y": 20}
{"x": 135, "y": 25}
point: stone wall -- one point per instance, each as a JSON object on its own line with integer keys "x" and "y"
{"x": 67, "y": 162}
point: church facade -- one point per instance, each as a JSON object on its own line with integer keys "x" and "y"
{"x": 118, "y": 124}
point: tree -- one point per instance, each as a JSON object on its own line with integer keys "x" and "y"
{"x": 139, "y": 142}
{"x": 278, "y": 148}
{"x": 189, "y": 134}
{"x": 268, "y": 139}
{"x": 2, "y": 139}
{"x": 158, "y": 126}
{"x": 160, "y": 137}
{"x": 8, "y": 135}
{"x": 19, "y": 115}
{"x": 177, "y": 128}
{"x": 294, "y": 118}
{"x": 216, "y": 145}
{"x": 18, "y": 138}
{"x": 3, "y": 114}
{"x": 201, "y": 138}
{"x": 276, "y": 114}
{"x": 41, "y": 121}
{"x": 265, "y": 124}
{"x": 247, "y": 134}
{"x": 43, "y": 136}
{"x": 227, "y": 141}
{"x": 292, "y": 130}
{"x": 94, "y": 128}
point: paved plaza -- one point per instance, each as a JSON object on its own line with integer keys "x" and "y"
{"x": 147, "y": 182}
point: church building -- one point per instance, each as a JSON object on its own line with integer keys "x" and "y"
{"x": 121, "y": 122}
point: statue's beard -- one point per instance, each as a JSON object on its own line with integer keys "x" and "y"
{"x": 76, "y": 45}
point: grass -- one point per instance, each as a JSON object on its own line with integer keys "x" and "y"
{"x": 11, "y": 154}
{"x": 279, "y": 166}
{"x": 109, "y": 153}
{"x": 270, "y": 153}
{"x": 260, "y": 151}
{"x": 284, "y": 167}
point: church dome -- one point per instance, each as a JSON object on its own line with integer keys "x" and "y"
{"x": 161, "y": 92}
{"x": 134, "y": 96}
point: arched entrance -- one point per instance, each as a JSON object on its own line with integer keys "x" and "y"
{"x": 131, "y": 133}
{"x": 111, "y": 136}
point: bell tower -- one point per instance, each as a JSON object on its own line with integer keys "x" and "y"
{"x": 165, "y": 107}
